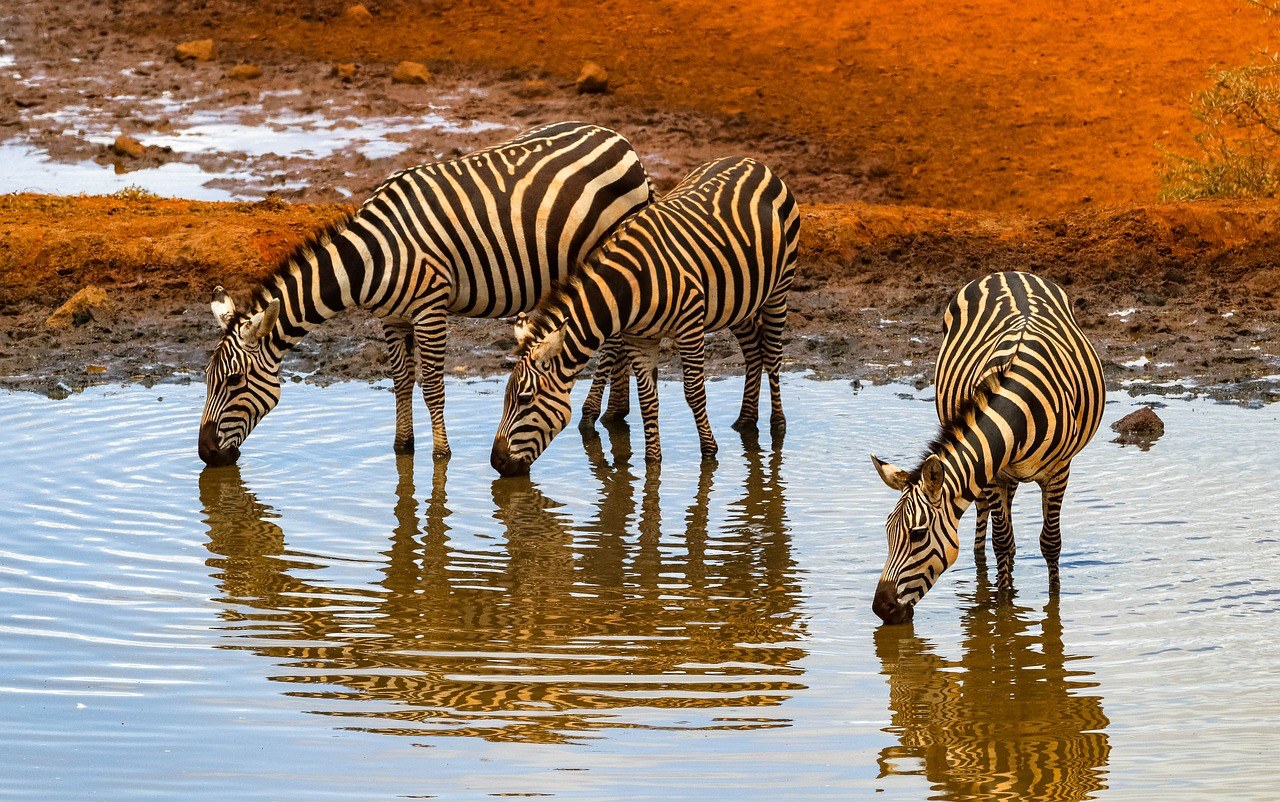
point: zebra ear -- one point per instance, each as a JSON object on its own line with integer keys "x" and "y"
{"x": 892, "y": 475}
{"x": 224, "y": 309}
{"x": 931, "y": 478}
{"x": 550, "y": 346}
{"x": 522, "y": 329}
{"x": 261, "y": 323}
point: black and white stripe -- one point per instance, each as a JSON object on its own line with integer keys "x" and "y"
{"x": 717, "y": 252}
{"x": 1020, "y": 393}
{"x": 484, "y": 235}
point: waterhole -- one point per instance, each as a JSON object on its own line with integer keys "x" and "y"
{"x": 329, "y": 621}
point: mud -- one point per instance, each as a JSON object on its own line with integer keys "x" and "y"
{"x": 1177, "y": 298}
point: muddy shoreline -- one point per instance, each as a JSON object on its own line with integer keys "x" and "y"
{"x": 1177, "y": 298}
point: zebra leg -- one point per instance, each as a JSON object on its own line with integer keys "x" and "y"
{"x": 619, "y": 389}
{"x": 773, "y": 320}
{"x": 1052, "y": 489}
{"x": 692, "y": 358}
{"x": 982, "y": 505}
{"x": 399, "y": 338}
{"x": 429, "y": 334}
{"x": 644, "y": 362}
{"x": 1002, "y": 533}
{"x": 748, "y": 333}
{"x": 604, "y": 367}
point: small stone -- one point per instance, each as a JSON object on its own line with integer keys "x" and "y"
{"x": 128, "y": 146}
{"x": 345, "y": 72}
{"x": 93, "y": 369}
{"x": 410, "y": 72}
{"x": 1143, "y": 422}
{"x": 358, "y": 14}
{"x": 244, "y": 72}
{"x": 79, "y": 308}
{"x": 593, "y": 79}
{"x": 196, "y": 50}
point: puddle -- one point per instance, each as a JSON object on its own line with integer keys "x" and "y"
{"x": 329, "y": 621}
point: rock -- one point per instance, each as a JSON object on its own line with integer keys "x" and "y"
{"x": 128, "y": 146}
{"x": 244, "y": 72}
{"x": 345, "y": 72}
{"x": 593, "y": 79}
{"x": 358, "y": 14}
{"x": 79, "y": 308}
{"x": 1143, "y": 422}
{"x": 196, "y": 50}
{"x": 410, "y": 72}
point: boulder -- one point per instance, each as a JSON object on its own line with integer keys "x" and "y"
{"x": 358, "y": 14}
{"x": 196, "y": 50}
{"x": 592, "y": 80}
{"x": 128, "y": 146}
{"x": 345, "y": 72}
{"x": 79, "y": 308}
{"x": 244, "y": 72}
{"x": 410, "y": 72}
{"x": 1143, "y": 422}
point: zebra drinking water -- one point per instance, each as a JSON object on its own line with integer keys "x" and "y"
{"x": 717, "y": 252}
{"x": 1020, "y": 393}
{"x": 484, "y": 235}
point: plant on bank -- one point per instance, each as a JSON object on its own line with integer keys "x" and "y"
{"x": 1240, "y": 141}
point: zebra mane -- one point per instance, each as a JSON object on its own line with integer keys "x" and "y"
{"x": 951, "y": 430}
{"x": 548, "y": 315}
{"x": 305, "y": 250}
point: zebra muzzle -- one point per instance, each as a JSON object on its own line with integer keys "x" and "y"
{"x": 887, "y": 606}
{"x": 502, "y": 462}
{"x": 211, "y": 450}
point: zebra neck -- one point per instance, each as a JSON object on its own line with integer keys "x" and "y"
{"x": 973, "y": 452}
{"x": 318, "y": 283}
{"x": 590, "y": 314}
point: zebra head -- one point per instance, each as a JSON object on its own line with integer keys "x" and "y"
{"x": 536, "y": 406}
{"x": 243, "y": 380}
{"x": 922, "y": 539}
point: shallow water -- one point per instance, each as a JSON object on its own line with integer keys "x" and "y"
{"x": 327, "y": 621}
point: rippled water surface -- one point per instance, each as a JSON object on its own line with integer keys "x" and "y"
{"x": 327, "y": 621}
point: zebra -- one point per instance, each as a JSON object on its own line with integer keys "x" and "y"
{"x": 484, "y": 235}
{"x": 716, "y": 252}
{"x": 1019, "y": 393}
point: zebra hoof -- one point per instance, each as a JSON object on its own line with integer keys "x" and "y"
{"x": 587, "y": 424}
{"x": 614, "y": 416}
{"x": 441, "y": 452}
{"x": 404, "y": 447}
{"x": 744, "y": 425}
{"x": 777, "y": 426}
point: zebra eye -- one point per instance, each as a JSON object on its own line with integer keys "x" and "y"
{"x": 235, "y": 379}
{"x": 919, "y": 533}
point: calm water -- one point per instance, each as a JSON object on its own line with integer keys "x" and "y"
{"x": 330, "y": 622}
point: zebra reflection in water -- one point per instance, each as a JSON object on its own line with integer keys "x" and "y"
{"x": 1012, "y": 719}
{"x": 558, "y": 630}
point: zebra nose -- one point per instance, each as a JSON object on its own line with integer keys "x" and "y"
{"x": 211, "y": 450}
{"x": 500, "y": 459}
{"x": 887, "y": 607}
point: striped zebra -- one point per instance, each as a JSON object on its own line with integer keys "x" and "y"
{"x": 1019, "y": 393}
{"x": 716, "y": 252}
{"x": 484, "y": 235}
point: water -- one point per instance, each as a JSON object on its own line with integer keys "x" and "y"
{"x": 330, "y": 622}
